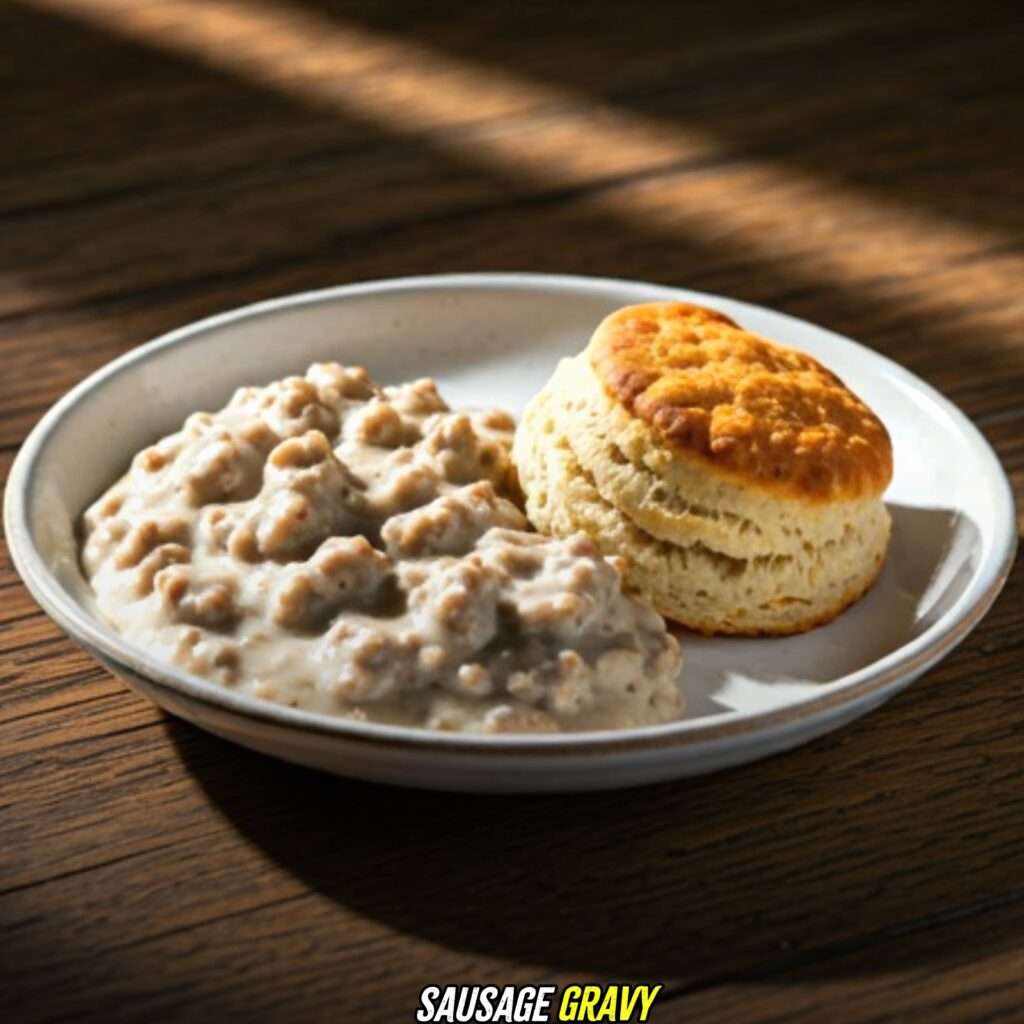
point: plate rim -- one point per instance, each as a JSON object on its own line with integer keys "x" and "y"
{"x": 902, "y": 665}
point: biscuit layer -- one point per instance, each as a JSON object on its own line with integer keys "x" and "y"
{"x": 677, "y": 499}
{"x": 757, "y": 413}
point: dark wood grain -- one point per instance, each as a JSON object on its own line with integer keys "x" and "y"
{"x": 860, "y": 166}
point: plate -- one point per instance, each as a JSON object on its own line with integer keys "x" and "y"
{"x": 493, "y": 339}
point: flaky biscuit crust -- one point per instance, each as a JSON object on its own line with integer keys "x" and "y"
{"x": 759, "y": 413}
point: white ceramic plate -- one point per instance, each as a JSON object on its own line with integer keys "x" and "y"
{"x": 494, "y": 339}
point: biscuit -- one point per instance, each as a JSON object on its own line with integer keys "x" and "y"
{"x": 776, "y": 531}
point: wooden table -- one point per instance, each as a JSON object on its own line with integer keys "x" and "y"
{"x": 861, "y": 167}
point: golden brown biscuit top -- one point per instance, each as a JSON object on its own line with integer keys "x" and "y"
{"x": 753, "y": 409}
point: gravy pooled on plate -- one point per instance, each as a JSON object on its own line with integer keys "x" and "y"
{"x": 344, "y": 548}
